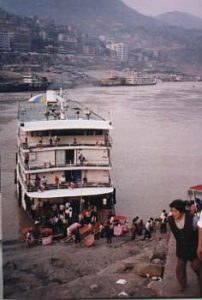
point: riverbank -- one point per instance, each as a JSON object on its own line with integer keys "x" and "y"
{"x": 65, "y": 270}
{"x": 124, "y": 269}
{"x": 68, "y": 78}
{"x": 65, "y": 77}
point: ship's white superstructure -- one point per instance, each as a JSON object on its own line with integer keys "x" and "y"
{"x": 63, "y": 154}
{"x": 139, "y": 79}
{"x": 129, "y": 79}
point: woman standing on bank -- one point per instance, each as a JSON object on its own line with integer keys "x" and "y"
{"x": 182, "y": 227}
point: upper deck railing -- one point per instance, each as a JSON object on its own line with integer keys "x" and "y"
{"x": 37, "y": 184}
{"x": 65, "y": 185}
{"x": 67, "y": 165}
{"x": 26, "y": 146}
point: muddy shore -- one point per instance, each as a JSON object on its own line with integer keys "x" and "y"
{"x": 66, "y": 270}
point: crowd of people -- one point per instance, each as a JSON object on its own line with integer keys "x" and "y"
{"x": 60, "y": 217}
{"x": 155, "y": 226}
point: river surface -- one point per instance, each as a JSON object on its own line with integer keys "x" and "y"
{"x": 157, "y": 145}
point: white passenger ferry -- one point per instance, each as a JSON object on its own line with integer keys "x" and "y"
{"x": 63, "y": 155}
{"x": 130, "y": 79}
{"x": 136, "y": 79}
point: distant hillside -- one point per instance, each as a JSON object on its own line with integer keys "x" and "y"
{"x": 180, "y": 19}
{"x": 108, "y": 17}
{"x": 89, "y": 15}
{"x": 114, "y": 19}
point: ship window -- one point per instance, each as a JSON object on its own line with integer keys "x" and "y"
{"x": 89, "y": 132}
{"x": 39, "y": 133}
{"x": 67, "y": 132}
{"x": 94, "y": 132}
{"x": 71, "y": 132}
{"x": 98, "y": 132}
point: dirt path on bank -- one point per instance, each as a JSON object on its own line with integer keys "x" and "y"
{"x": 62, "y": 271}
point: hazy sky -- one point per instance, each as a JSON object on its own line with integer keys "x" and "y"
{"x": 155, "y": 7}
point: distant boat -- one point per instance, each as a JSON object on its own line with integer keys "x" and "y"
{"x": 133, "y": 79}
{"x": 181, "y": 78}
{"x": 140, "y": 79}
{"x": 112, "y": 81}
{"x": 28, "y": 83}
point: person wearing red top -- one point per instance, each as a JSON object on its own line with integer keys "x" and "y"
{"x": 57, "y": 181}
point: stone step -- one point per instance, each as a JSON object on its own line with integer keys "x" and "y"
{"x": 168, "y": 287}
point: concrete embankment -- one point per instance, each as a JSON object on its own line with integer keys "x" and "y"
{"x": 168, "y": 287}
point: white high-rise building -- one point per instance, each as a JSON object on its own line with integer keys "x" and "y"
{"x": 122, "y": 51}
{"x": 5, "y": 41}
{"x": 119, "y": 50}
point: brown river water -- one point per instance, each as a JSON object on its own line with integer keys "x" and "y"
{"x": 157, "y": 145}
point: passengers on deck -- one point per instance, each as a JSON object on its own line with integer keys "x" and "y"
{"x": 44, "y": 181}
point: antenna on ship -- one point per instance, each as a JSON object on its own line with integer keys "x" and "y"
{"x": 61, "y": 101}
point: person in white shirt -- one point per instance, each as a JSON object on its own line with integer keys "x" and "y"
{"x": 162, "y": 216}
{"x": 147, "y": 233}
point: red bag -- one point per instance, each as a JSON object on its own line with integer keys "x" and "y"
{"x": 46, "y": 231}
{"x": 118, "y": 230}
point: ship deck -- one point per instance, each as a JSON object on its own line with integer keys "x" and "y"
{"x": 79, "y": 192}
{"x": 70, "y": 115}
{"x": 72, "y": 110}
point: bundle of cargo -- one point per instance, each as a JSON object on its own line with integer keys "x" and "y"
{"x": 46, "y": 231}
{"x": 89, "y": 240}
{"x": 48, "y": 240}
{"x": 85, "y": 230}
{"x": 121, "y": 225}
